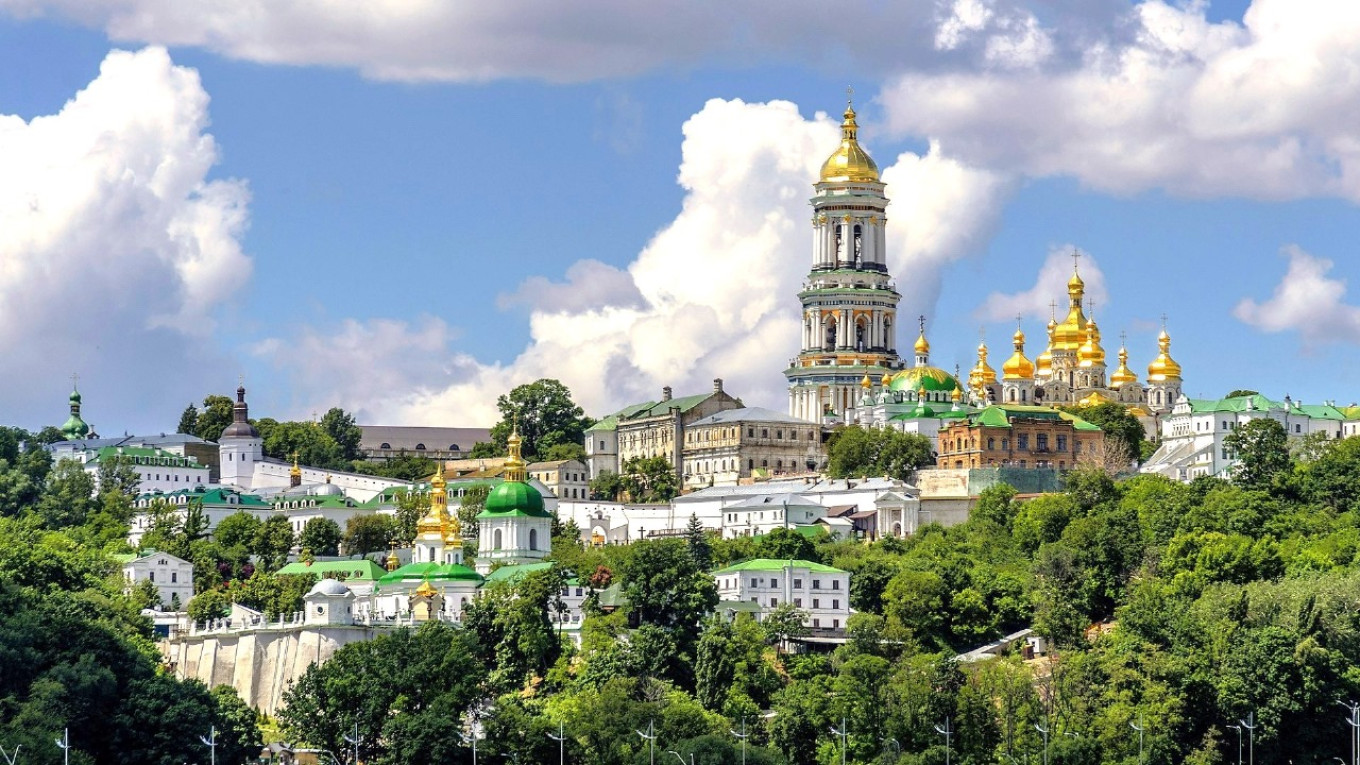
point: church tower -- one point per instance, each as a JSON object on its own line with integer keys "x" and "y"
{"x": 239, "y": 447}
{"x": 849, "y": 300}
{"x": 514, "y": 527}
{"x": 1164, "y": 377}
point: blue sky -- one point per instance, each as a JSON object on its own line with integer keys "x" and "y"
{"x": 380, "y": 202}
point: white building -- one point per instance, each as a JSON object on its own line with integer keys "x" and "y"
{"x": 764, "y": 513}
{"x": 157, "y": 469}
{"x": 894, "y": 507}
{"x": 566, "y": 479}
{"x": 821, "y": 591}
{"x": 216, "y": 504}
{"x": 1193, "y": 433}
{"x": 173, "y": 577}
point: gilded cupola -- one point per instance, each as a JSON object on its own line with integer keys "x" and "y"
{"x": 1091, "y": 353}
{"x": 1163, "y": 367}
{"x": 1017, "y": 367}
{"x": 1070, "y": 335}
{"x": 981, "y": 375}
{"x": 850, "y": 162}
{"x": 1043, "y": 364}
{"x": 1123, "y": 375}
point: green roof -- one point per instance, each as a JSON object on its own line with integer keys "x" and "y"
{"x": 514, "y": 499}
{"x": 777, "y": 564}
{"x": 999, "y": 416}
{"x": 354, "y": 570}
{"x": 146, "y": 455}
{"x": 912, "y": 379}
{"x": 434, "y": 572}
{"x": 218, "y": 496}
{"x": 514, "y": 572}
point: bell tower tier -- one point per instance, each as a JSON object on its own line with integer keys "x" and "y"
{"x": 849, "y": 300}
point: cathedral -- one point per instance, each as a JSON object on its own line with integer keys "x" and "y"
{"x": 848, "y": 370}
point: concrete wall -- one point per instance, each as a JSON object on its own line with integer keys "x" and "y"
{"x": 260, "y": 664}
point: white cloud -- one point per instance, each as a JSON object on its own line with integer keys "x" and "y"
{"x": 713, "y": 294}
{"x": 965, "y": 18}
{"x": 115, "y": 250}
{"x": 1264, "y": 109}
{"x": 1050, "y": 286}
{"x": 1305, "y": 301}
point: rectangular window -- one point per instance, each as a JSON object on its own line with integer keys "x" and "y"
{"x": 835, "y": 605}
{"x": 174, "y": 577}
{"x": 1062, "y": 443}
{"x": 797, "y": 602}
{"x": 798, "y": 584}
{"x": 816, "y": 624}
{"x": 151, "y": 576}
{"x": 1022, "y": 441}
{"x": 835, "y": 624}
{"x": 816, "y": 584}
{"x": 755, "y": 582}
{"x": 816, "y": 603}
{"x": 774, "y": 602}
{"x": 774, "y": 582}
{"x": 835, "y": 584}
{"x": 1041, "y": 441}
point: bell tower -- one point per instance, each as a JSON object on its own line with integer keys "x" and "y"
{"x": 849, "y": 299}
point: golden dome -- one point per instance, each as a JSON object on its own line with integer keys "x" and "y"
{"x": 885, "y": 379}
{"x": 1123, "y": 375}
{"x": 426, "y": 590}
{"x": 922, "y": 344}
{"x": 1043, "y": 363}
{"x": 453, "y": 532}
{"x": 1163, "y": 367}
{"x": 865, "y": 382}
{"x": 957, "y": 395}
{"x": 515, "y": 467}
{"x": 1017, "y": 367}
{"x": 295, "y": 472}
{"x": 981, "y": 375}
{"x": 1091, "y": 353}
{"x": 392, "y": 562}
{"x": 430, "y": 523}
{"x": 849, "y": 163}
{"x": 1071, "y": 334}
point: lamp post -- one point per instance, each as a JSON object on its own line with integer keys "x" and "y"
{"x": 355, "y": 741}
{"x": 10, "y": 758}
{"x": 948, "y": 734}
{"x": 1139, "y": 728}
{"x": 650, "y": 738}
{"x": 1250, "y": 725}
{"x": 844, "y": 732}
{"x": 680, "y": 758}
{"x": 1353, "y": 722}
{"x": 211, "y": 743}
{"x": 561, "y": 739}
{"x": 1238, "y": 728}
{"x": 897, "y": 748}
{"x": 1044, "y": 731}
{"x": 742, "y": 737}
{"x": 65, "y": 743}
{"x": 470, "y": 739}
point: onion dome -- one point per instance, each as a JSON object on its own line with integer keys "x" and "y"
{"x": 426, "y": 590}
{"x": 865, "y": 382}
{"x": 392, "y": 562}
{"x": 1071, "y": 334}
{"x": 922, "y": 344}
{"x": 1017, "y": 367}
{"x": 849, "y": 163}
{"x": 1163, "y": 367}
{"x": 885, "y": 379}
{"x": 957, "y": 395}
{"x": 1091, "y": 353}
{"x": 514, "y": 496}
{"x": 930, "y": 378}
{"x": 75, "y": 428}
{"x": 981, "y": 375}
{"x": 430, "y": 524}
{"x": 240, "y": 426}
{"x": 1123, "y": 375}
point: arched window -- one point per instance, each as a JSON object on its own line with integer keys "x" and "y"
{"x": 859, "y": 336}
{"x": 420, "y": 447}
{"x": 454, "y": 448}
{"x": 533, "y": 539}
{"x": 859, "y": 245}
{"x": 830, "y": 342}
{"x": 384, "y": 445}
{"x": 496, "y": 540}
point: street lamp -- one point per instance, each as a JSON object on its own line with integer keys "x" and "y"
{"x": 680, "y": 758}
{"x": 650, "y": 738}
{"x": 355, "y": 741}
{"x": 65, "y": 743}
{"x": 1250, "y": 725}
{"x": 470, "y": 739}
{"x": 1238, "y": 728}
{"x": 948, "y": 734}
{"x": 1043, "y": 731}
{"x": 1139, "y": 728}
{"x": 742, "y": 737}
{"x": 211, "y": 742}
{"x": 843, "y": 733}
{"x": 897, "y": 748}
{"x": 561, "y": 739}
{"x": 10, "y": 758}
{"x": 1354, "y": 722}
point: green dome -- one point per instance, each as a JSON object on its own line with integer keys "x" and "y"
{"x": 75, "y": 428}
{"x": 514, "y": 498}
{"x": 933, "y": 379}
{"x": 434, "y": 572}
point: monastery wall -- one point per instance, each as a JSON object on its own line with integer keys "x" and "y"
{"x": 260, "y": 664}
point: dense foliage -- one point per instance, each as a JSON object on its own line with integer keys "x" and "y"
{"x": 551, "y": 425}
{"x": 855, "y": 451}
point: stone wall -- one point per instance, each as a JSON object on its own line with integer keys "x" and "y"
{"x": 260, "y": 664}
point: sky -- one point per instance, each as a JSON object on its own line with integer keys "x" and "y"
{"x": 406, "y": 208}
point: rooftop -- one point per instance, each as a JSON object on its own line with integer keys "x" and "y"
{"x": 750, "y": 414}
{"x": 777, "y": 564}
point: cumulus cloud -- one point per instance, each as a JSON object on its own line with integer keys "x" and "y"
{"x": 1050, "y": 286}
{"x": 1264, "y": 109}
{"x": 115, "y": 251}
{"x": 405, "y": 40}
{"x": 712, "y": 294}
{"x": 1306, "y": 301}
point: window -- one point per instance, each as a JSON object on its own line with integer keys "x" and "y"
{"x": 420, "y": 447}
{"x": 798, "y": 584}
{"x": 533, "y": 539}
{"x": 816, "y": 603}
{"x": 774, "y": 582}
{"x": 816, "y": 624}
{"x": 816, "y": 584}
{"x": 1022, "y": 441}
{"x": 151, "y": 576}
{"x": 174, "y": 577}
{"x": 1041, "y": 442}
{"x": 774, "y": 602}
{"x": 835, "y": 604}
{"x": 384, "y": 446}
{"x": 797, "y": 602}
{"x": 755, "y": 582}
{"x": 835, "y": 584}
{"x": 1062, "y": 443}
{"x": 991, "y": 443}
{"x": 496, "y": 540}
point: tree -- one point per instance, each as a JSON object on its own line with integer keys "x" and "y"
{"x": 188, "y": 420}
{"x": 471, "y": 505}
{"x": 608, "y": 486}
{"x": 855, "y": 451}
{"x": 117, "y": 474}
{"x": 239, "y": 740}
{"x": 321, "y": 536}
{"x": 341, "y": 428}
{"x": 273, "y": 542}
{"x": 313, "y": 445}
{"x": 368, "y": 533}
{"x": 994, "y": 505}
{"x": 1261, "y": 448}
{"x": 66, "y": 499}
{"x": 650, "y": 479}
{"x": 214, "y": 417}
{"x": 238, "y": 530}
{"x": 573, "y": 451}
{"x": 1118, "y": 424}
{"x": 784, "y": 623}
{"x": 700, "y": 548}
{"x": 545, "y": 415}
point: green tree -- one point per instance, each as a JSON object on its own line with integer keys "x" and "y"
{"x": 214, "y": 417}
{"x": 994, "y": 505}
{"x": 117, "y": 474}
{"x": 1261, "y": 448}
{"x": 572, "y": 451}
{"x": 273, "y": 542}
{"x": 340, "y": 426}
{"x": 188, "y": 420}
{"x": 784, "y": 623}
{"x": 608, "y": 486}
{"x": 209, "y": 604}
{"x": 650, "y": 479}
{"x": 855, "y": 451}
{"x": 545, "y": 415}
{"x": 700, "y": 547}
{"x": 368, "y": 533}
{"x": 313, "y": 445}
{"x": 1117, "y": 422}
{"x": 321, "y": 536}
{"x": 239, "y": 740}
{"x": 67, "y": 499}
{"x": 237, "y": 531}
{"x": 469, "y": 507}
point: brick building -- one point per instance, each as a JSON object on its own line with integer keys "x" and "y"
{"x": 1018, "y": 436}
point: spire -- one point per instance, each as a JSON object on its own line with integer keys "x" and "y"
{"x": 849, "y": 163}
{"x": 75, "y": 428}
{"x": 922, "y": 345}
{"x": 1017, "y": 367}
{"x": 1123, "y": 375}
{"x": 1071, "y": 334}
{"x": 515, "y": 469}
{"x": 295, "y": 475}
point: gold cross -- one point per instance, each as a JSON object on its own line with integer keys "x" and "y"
{"x": 849, "y": 94}
{"x": 1075, "y": 255}
{"x": 74, "y": 379}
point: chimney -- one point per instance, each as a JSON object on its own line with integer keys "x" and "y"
{"x": 717, "y": 385}
{"x": 666, "y": 393}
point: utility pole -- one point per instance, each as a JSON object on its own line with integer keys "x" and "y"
{"x": 211, "y": 743}
{"x": 355, "y": 741}
{"x": 1238, "y": 728}
{"x": 472, "y": 739}
{"x": 1353, "y": 722}
{"x": 561, "y": 739}
{"x": 743, "y": 736}
{"x": 948, "y": 734}
{"x": 844, "y": 733}
{"x": 1139, "y": 728}
{"x": 1250, "y": 725}
{"x": 1043, "y": 731}
{"x": 65, "y": 743}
